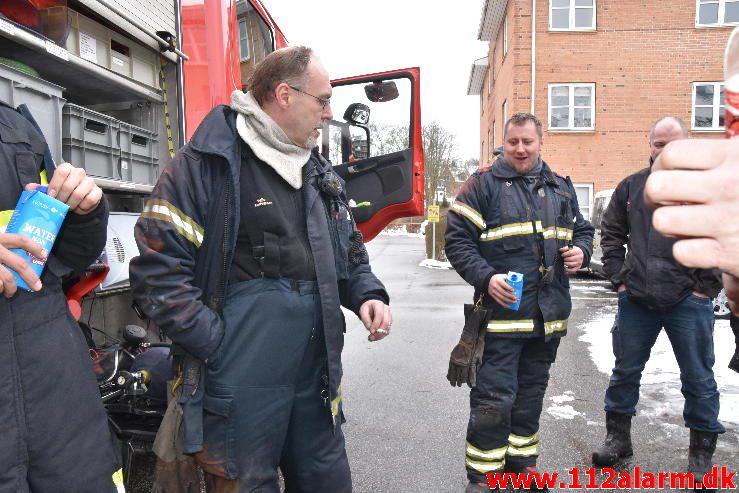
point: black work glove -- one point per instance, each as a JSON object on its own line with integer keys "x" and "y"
{"x": 734, "y": 322}
{"x": 466, "y": 356}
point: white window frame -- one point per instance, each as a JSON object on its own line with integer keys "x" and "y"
{"x": 589, "y": 186}
{"x": 571, "y": 10}
{"x": 721, "y": 14}
{"x": 505, "y": 36}
{"x": 718, "y": 108}
{"x": 243, "y": 58}
{"x": 571, "y": 105}
{"x": 504, "y": 109}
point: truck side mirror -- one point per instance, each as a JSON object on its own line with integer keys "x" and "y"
{"x": 357, "y": 114}
{"x": 379, "y": 92}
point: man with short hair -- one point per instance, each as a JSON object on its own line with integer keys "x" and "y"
{"x": 517, "y": 215}
{"x": 248, "y": 252}
{"x": 655, "y": 292}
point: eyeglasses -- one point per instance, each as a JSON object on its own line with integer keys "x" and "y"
{"x": 323, "y": 102}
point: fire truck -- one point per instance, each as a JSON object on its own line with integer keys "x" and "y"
{"x": 117, "y": 86}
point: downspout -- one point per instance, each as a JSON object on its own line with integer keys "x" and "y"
{"x": 533, "y": 56}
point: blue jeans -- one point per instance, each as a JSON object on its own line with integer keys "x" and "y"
{"x": 689, "y": 326}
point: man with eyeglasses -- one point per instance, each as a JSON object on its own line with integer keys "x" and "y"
{"x": 248, "y": 252}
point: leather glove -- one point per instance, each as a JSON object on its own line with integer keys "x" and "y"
{"x": 466, "y": 356}
{"x": 734, "y": 322}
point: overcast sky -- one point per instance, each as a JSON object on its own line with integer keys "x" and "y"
{"x": 358, "y": 37}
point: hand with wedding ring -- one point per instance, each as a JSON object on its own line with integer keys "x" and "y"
{"x": 10, "y": 260}
{"x": 377, "y": 318}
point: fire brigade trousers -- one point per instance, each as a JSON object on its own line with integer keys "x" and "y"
{"x": 54, "y": 433}
{"x": 502, "y": 433}
{"x": 265, "y": 388}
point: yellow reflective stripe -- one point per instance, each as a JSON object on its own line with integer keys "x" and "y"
{"x": 118, "y": 481}
{"x": 555, "y": 326}
{"x": 484, "y": 467}
{"x": 486, "y": 455}
{"x": 470, "y": 213}
{"x": 5, "y": 219}
{"x": 519, "y": 441}
{"x": 335, "y": 403}
{"x": 43, "y": 179}
{"x": 165, "y": 211}
{"x": 510, "y": 326}
{"x": 530, "y": 451}
{"x": 559, "y": 233}
{"x": 506, "y": 230}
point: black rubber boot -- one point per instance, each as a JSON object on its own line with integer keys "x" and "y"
{"x": 618, "y": 440}
{"x": 702, "y": 447}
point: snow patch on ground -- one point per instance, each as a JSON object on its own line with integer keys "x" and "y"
{"x": 563, "y": 412}
{"x": 566, "y": 397}
{"x": 660, "y": 385}
{"x": 434, "y": 264}
{"x": 400, "y": 231}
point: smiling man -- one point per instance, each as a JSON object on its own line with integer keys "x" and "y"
{"x": 517, "y": 215}
{"x": 248, "y": 252}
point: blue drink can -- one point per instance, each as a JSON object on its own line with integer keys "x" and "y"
{"x": 515, "y": 280}
{"x": 38, "y": 217}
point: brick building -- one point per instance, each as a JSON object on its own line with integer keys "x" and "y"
{"x": 601, "y": 72}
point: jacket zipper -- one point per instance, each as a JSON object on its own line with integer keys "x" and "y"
{"x": 221, "y": 294}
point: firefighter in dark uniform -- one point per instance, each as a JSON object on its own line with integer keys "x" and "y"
{"x": 54, "y": 430}
{"x": 248, "y": 252}
{"x": 516, "y": 216}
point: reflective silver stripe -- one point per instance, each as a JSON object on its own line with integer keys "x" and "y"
{"x": 470, "y": 213}
{"x": 510, "y": 326}
{"x": 519, "y": 441}
{"x": 555, "y": 326}
{"x": 530, "y": 451}
{"x": 484, "y": 467}
{"x": 486, "y": 455}
{"x": 165, "y": 211}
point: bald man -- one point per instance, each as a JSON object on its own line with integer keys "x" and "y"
{"x": 656, "y": 292}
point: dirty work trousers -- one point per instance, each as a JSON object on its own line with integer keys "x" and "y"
{"x": 502, "y": 433}
{"x": 54, "y": 434}
{"x": 264, "y": 404}
{"x": 689, "y": 326}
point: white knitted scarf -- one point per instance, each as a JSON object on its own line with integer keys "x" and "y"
{"x": 267, "y": 139}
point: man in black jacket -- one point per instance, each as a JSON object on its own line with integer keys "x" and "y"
{"x": 248, "y": 251}
{"x": 517, "y": 215}
{"x": 54, "y": 433}
{"x": 655, "y": 292}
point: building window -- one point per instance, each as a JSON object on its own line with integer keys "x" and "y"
{"x": 244, "y": 38}
{"x": 716, "y": 12}
{"x": 505, "y": 111}
{"x": 572, "y": 15}
{"x": 482, "y": 151}
{"x": 491, "y": 143}
{"x": 571, "y": 106}
{"x": 495, "y": 136}
{"x": 584, "y": 192}
{"x": 490, "y": 79}
{"x": 708, "y": 106}
{"x": 505, "y": 36}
